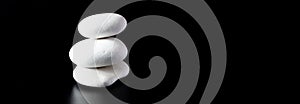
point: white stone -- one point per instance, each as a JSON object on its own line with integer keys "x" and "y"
{"x": 100, "y": 77}
{"x": 98, "y": 53}
{"x": 102, "y": 25}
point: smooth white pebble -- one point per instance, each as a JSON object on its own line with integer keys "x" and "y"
{"x": 98, "y": 53}
{"x": 100, "y": 77}
{"x": 102, "y": 25}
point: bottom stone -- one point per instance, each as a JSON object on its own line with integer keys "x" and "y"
{"x": 100, "y": 77}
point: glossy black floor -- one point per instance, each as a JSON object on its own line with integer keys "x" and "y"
{"x": 38, "y": 34}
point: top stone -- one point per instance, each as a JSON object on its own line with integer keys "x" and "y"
{"x": 102, "y": 25}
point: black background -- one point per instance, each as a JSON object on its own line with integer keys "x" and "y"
{"x": 36, "y": 36}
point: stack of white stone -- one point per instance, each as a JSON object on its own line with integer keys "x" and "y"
{"x": 99, "y": 58}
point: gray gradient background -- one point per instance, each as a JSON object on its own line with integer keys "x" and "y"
{"x": 164, "y": 27}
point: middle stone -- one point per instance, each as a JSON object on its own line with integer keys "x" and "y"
{"x": 98, "y": 53}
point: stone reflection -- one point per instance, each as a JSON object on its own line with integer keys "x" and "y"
{"x": 90, "y": 95}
